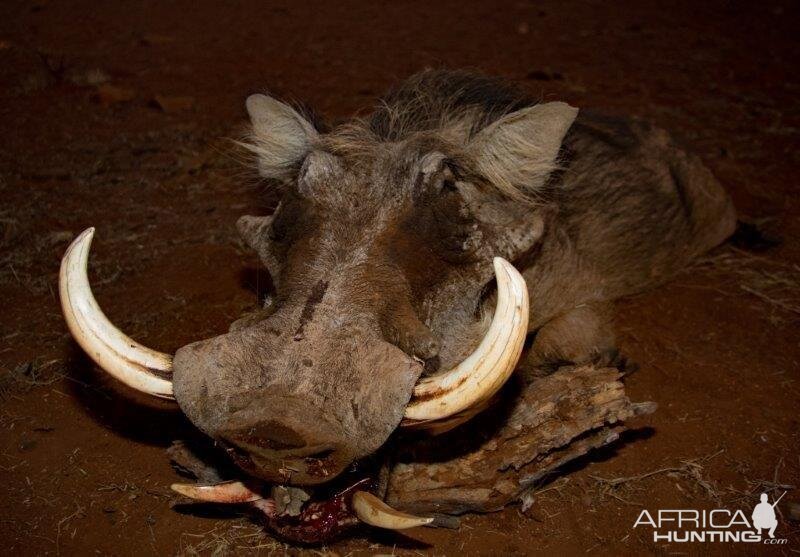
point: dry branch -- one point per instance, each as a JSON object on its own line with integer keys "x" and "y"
{"x": 537, "y": 427}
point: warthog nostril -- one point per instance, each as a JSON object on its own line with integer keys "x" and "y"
{"x": 320, "y": 455}
{"x": 268, "y": 435}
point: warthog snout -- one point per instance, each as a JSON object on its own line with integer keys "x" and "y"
{"x": 297, "y": 407}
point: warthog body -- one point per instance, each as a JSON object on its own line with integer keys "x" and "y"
{"x": 381, "y": 254}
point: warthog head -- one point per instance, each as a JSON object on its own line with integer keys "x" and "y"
{"x": 390, "y": 254}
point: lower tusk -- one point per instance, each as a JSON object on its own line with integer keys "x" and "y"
{"x": 225, "y": 492}
{"x": 475, "y": 380}
{"x": 375, "y": 512}
{"x": 135, "y": 365}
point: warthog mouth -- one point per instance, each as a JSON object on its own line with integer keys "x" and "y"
{"x": 439, "y": 402}
{"x": 305, "y": 515}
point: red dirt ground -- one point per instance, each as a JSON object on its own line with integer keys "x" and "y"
{"x": 84, "y": 142}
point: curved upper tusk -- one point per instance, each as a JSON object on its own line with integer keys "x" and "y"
{"x": 135, "y": 365}
{"x": 438, "y": 427}
{"x": 482, "y": 373}
{"x": 224, "y": 492}
{"x": 375, "y": 512}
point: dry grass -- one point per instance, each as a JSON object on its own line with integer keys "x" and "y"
{"x": 231, "y": 537}
{"x": 692, "y": 471}
{"x": 22, "y": 250}
{"x": 27, "y": 375}
{"x": 775, "y": 284}
{"x": 774, "y": 487}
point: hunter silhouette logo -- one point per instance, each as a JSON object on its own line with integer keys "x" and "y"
{"x": 716, "y": 525}
{"x": 764, "y": 515}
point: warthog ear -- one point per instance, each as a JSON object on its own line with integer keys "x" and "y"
{"x": 280, "y": 138}
{"x": 518, "y": 152}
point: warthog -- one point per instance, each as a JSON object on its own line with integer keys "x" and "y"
{"x": 413, "y": 253}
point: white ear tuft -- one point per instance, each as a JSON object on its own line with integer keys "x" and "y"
{"x": 280, "y": 138}
{"x": 518, "y": 152}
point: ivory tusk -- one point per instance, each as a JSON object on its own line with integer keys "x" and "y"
{"x": 224, "y": 492}
{"x": 375, "y": 512}
{"x": 438, "y": 427}
{"x": 135, "y": 365}
{"x": 475, "y": 380}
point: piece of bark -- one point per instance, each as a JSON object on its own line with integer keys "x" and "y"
{"x": 538, "y": 426}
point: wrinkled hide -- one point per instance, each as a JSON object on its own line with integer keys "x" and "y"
{"x": 629, "y": 210}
